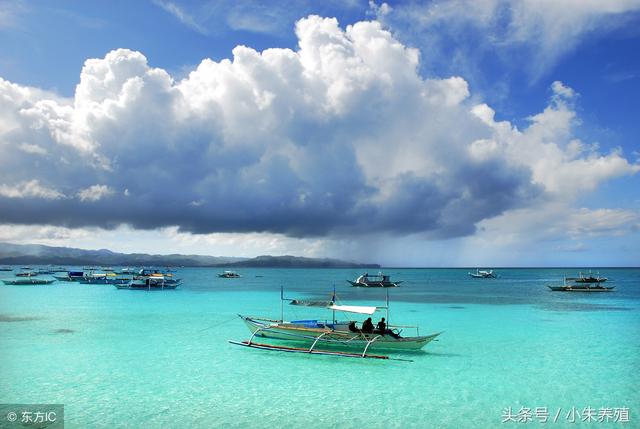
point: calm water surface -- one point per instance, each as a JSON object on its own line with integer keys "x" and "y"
{"x": 119, "y": 358}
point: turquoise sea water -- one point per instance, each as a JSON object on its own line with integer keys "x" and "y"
{"x": 120, "y": 358}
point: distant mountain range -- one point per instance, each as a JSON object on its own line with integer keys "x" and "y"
{"x": 288, "y": 261}
{"x": 36, "y": 254}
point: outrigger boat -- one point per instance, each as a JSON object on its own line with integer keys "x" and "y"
{"x": 483, "y": 274}
{"x": 151, "y": 280}
{"x": 150, "y": 283}
{"x": 104, "y": 279}
{"x": 581, "y": 287}
{"x": 381, "y": 280}
{"x": 335, "y": 336}
{"x": 588, "y": 279}
{"x": 229, "y": 275}
{"x": 71, "y": 276}
{"x": 27, "y": 281}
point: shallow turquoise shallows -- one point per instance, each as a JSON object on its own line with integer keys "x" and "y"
{"x": 137, "y": 359}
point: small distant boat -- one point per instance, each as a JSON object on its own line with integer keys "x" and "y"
{"x": 150, "y": 283}
{"x": 150, "y": 280}
{"x": 71, "y": 276}
{"x": 381, "y": 280}
{"x": 26, "y": 274}
{"x": 229, "y": 275}
{"x": 483, "y": 274}
{"x": 588, "y": 279}
{"x": 25, "y": 281}
{"x": 580, "y": 286}
{"x": 104, "y": 279}
{"x": 146, "y": 273}
{"x": 6, "y": 269}
{"x": 128, "y": 270}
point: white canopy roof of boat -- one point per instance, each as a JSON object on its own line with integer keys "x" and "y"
{"x": 360, "y": 309}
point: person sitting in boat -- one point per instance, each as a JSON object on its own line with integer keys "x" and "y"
{"x": 353, "y": 327}
{"x": 367, "y": 326}
{"x": 382, "y": 327}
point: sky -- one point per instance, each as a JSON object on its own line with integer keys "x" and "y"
{"x": 417, "y": 133}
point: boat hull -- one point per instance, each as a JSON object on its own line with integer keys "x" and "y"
{"x": 126, "y": 286}
{"x": 483, "y": 275}
{"x": 581, "y": 288}
{"x": 338, "y": 338}
{"x": 149, "y": 284}
{"x": 27, "y": 282}
{"x": 374, "y": 284}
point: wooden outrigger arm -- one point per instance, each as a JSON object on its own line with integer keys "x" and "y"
{"x": 254, "y": 334}
{"x": 364, "y": 353}
{"x": 313, "y": 351}
{"x": 316, "y": 341}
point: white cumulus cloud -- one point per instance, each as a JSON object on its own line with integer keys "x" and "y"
{"x": 95, "y": 193}
{"x": 340, "y": 136}
{"x": 30, "y": 189}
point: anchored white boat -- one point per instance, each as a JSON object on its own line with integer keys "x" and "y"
{"x": 150, "y": 280}
{"x": 106, "y": 278}
{"x": 332, "y": 334}
{"x": 229, "y": 275}
{"x": 483, "y": 274}
{"x": 149, "y": 284}
{"x": 381, "y": 280}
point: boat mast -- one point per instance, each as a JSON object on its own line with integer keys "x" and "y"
{"x": 387, "y": 306}
{"x": 333, "y": 300}
{"x": 281, "y": 303}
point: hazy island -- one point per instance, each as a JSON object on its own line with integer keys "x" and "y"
{"x": 36, "y": 254}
